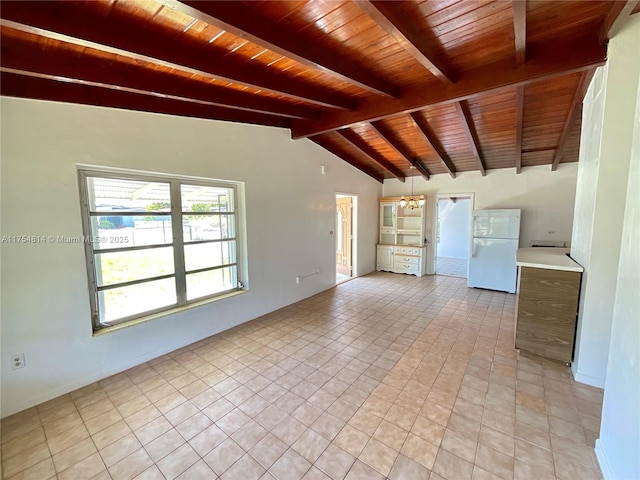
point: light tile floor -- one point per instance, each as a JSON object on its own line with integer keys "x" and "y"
{"x": 452, "y": 267}
{"x": 385, "y": 376}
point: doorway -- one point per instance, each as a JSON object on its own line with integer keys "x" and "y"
{"x": 453, "y": 235}
{"x": 345, "y": 215}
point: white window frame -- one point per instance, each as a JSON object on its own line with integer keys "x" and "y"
{"x": 178, "y": 243}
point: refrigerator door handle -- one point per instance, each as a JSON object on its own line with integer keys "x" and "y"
{"x": 473, "y": 250}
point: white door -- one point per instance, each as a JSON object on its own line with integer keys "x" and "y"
{"x": 493, "y": 264}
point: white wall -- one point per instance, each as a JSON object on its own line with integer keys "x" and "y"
{"x": 605, "y": 151}
{"x": 455, "y": 220}
{"x": 545, "y": 197}
{"x": 619, "y": 443}
{"x": 45, "y": 308}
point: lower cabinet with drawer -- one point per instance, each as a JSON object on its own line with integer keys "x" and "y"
{"x": 402, "y": 259}
{"x": 546, "y": 312}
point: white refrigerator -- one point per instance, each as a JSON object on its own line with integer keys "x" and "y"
{"x": 492, "y": 264}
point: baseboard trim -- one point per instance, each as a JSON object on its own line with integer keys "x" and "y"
{"x": 605, "y": 466}
{"x": 586, "y": 379}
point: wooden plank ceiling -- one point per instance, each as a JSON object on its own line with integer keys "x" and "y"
{"x": 446, "y": 86}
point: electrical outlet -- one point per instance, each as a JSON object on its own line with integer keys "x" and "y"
{"x": 551, "y": 232}
{"x": 17, "y": 361}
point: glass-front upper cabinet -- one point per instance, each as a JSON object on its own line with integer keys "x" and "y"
{"x": 388, "y": 219}
{"x": 387, "y": 215}
{"x": 401, "y": 225}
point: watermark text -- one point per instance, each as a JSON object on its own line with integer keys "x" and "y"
{"x": 64, "y": 239}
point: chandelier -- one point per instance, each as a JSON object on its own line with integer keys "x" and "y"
{"x": 412, "y": 203}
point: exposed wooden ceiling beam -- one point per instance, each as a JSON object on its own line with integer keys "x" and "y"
{"x": 24, "y": 55}
{"x": 387, "y": 135}
{"x": 616, "y": 17}
{"x": 245, "y": 22}
{"x": 574, "y": 110}
{"x": 65, "y": 21}
{"x": 430, "y": 138}
{"x": 519, "y": 8}
{"x": 393, "y": 21}
{"x": 519, "y": 123}
{"x": 324, "y": 142}
{"x": 417, "y": 164}
{"x": 550, "y": 60}
{"x": 354, "y": 139}
{"x": 539, "y": 149}
{"x": 116, "y": 88}
{"x": 14, "y": 85}
{"x": 472, "y": 135}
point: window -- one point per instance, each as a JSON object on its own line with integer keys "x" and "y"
{"x": 155, "y": 243}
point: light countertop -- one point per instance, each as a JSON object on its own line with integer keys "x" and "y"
{"x": 547, "y": 258}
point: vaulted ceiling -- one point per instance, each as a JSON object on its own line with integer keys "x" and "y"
{"x": 439, "y": 86}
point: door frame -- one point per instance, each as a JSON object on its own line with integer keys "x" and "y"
{"x": 354, "y": 230}
{"x": 434, "y": 223}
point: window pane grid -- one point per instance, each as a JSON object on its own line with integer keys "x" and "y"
{"x": 115, "y": 230}
{"x": 140, "y": 228}
{"x": 132, "y": 249}
{"x": 208, "y": 227}
{"x": 200, "y": 285}
{"x": 125, "y": 303}
{"x": 200, "y": 242}
{"x": 119, "y": 213}
{"x": 205, "y": 214}
{"x": 127, "y": 266}
{"x": 102, "y": 288}
{"x": 206, "y": 269}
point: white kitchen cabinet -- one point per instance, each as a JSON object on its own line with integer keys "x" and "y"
{"x": 401, "y": 247}
{"x": 388, "y": 215}
{"x": 409, "y": 260}
{"x": 388, "y": 223}
{"x": 402, "y": 259}
{"x": 385, "y": 257}
{"x": 401, "y": 225}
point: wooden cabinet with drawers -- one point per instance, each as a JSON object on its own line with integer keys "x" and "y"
{"x": 547, "y": 303}
{"x": 408, "y": 260}
{"x": 402, "y": 259}
{"x": 401, "y": 242}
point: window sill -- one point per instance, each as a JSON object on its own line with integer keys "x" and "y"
{"x": 153, "y": 316}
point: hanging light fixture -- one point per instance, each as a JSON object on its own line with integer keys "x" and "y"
{"x": 412, "y": 203}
